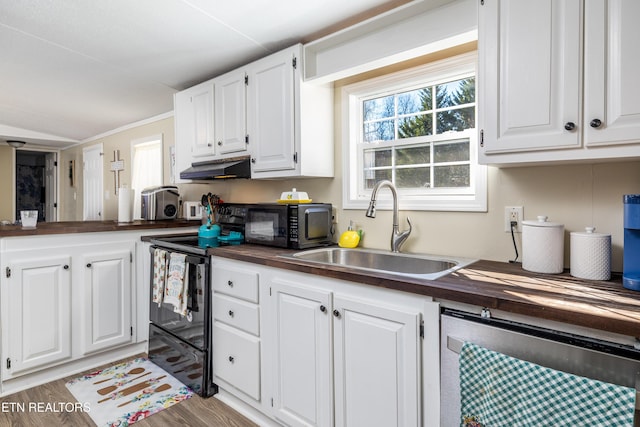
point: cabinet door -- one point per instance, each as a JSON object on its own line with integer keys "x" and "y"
{"x": 302, "y": 363}
{"x": 612, "y": 60}
{"x": 107, "y": 300}
{"x": 377, "y": 365}
{"x": 270, "y": 113}
{"x": 36, "y": 314}
{"x": 231, "y": 116}
{"x": 202, "y": 110}
{"x": 529, "y": 75}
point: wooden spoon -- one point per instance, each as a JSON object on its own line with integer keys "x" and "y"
{"x": 113, "y": 387}
{"x": 134, "y": 371}
{"x": 158, "y": 389}
{"x": 173, "y": 359}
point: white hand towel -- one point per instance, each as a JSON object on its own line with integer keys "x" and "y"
{"x": 159, "y": 275}
{"x": 181, "y": 307}
{"x": 174, "y": 289}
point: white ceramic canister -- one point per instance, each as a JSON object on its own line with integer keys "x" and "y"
{"x": 542, "y": 246}
{"x": 591, "y": 255}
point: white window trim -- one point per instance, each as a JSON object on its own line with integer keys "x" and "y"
{"x": 453, "y": 200}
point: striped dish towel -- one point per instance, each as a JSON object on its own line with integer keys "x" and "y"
{"x": 499, "y": 391}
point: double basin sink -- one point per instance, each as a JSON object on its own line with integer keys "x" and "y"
{"x": 428, "y": 267}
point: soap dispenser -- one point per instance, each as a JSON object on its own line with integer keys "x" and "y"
{"x": 350, "y": 238}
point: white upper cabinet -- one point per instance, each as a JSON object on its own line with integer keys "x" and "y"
{"x": 612, "y": 61}
{"x": 194, "y": 127}
{"x": 540, "y": 98}
{"x": 290, "y": 123}
{"x": 231, "y": 113}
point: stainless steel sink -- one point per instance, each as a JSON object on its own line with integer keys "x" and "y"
{"x": 409, "y": 265}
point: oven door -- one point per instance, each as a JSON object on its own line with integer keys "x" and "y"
{"x": 186, "y": 363}
{"x": 267, "y": 225}
{"x": 194, "y": 327}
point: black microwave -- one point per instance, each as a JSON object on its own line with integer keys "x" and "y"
{"x": 296, "y": 226}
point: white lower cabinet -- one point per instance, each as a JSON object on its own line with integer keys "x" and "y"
{"x": 107, "y": 298}
{"x": 331, "y": 353}
{"x": 377, "y": 364}
{"x": 36, "y": 307}
{"x": 236, "y": 330}
{"x": 57, "y": 309}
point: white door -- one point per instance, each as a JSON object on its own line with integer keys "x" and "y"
{"x": 302, "y": 363}
{"x": 92, "y": 183}
{"x": 612, "y": 60}
{"x": 231, "y": 113}
{"x": 377, "y": 365}
{"x": 107, "y": 301}
{"x": 529, "y": 75}
{"x": 50, "y": 185}
{"x": 36, "y": 317}
{"x": 270, "y": 114}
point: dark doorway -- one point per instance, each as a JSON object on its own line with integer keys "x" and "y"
{"x": 33, "y": 177}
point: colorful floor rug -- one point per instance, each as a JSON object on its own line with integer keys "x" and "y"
{"x": 125, "y": 393}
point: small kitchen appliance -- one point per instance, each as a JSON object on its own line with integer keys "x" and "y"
{"x": 192, "y": 210}
{"x": 161, "y": 202}
{"x": 296, "y": 226}
{"x": 631, "y": 256}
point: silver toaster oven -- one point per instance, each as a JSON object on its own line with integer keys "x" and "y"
{"x": 160, "y": 203}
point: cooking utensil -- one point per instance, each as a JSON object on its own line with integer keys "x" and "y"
{"x": 134, "y": 371}
{"x": 158, "y": 389}
{"x": 136, "y": 387}
{"x": 114, "y": 387}
{"x": 173, "y": 359}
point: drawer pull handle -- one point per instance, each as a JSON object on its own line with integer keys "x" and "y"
{"x": 336, "y": 313}
{"x": 595, "y": 123}
{"x": 570, "y": 126}
{"x": 230, "y": 313}
{"x": 231, "y": 359}
{"x": 323, "y": 309}
{"x": 66, "y": 267}
{"x": 89, "y": 265}
{"x": 230, "y": 283}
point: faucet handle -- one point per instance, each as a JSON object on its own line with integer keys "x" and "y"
{"x": 410, "y": 226}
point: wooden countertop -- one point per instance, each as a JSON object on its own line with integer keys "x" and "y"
{"x": 602, "y": 305}
{"x": 66, "y": 227}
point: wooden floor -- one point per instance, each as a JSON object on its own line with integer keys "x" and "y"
{"x": 192, "y": 412}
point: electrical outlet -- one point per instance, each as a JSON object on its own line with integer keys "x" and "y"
{"x": 516, "y": 214}
{"x": 334, "y": 215}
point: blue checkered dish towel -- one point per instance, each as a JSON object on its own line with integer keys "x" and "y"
{"x": 497, "y": 390}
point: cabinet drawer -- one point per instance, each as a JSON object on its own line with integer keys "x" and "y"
{"x": 238, "y": 313}
{"x": 236, "y": 283}
{"x": 236, "y": 359}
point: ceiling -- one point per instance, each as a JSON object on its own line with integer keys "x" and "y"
{"x": 71, "y": 70}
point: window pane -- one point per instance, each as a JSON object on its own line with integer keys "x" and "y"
{"x": 377, "y": 158}
{"x": 378, "y": 175}
{"x": 454, "y": 152}
{"x": 378, "y": 108}
{"x": 454, "y": 93}
{"x": 451, "y": 176}
{"x": 379, "y": 131}
{"x": 415, "y": 126}
{"x": 413, "y": 178}
{"x": 413, "y": 155}
{"x": 456, "y": 120}
{"x": 414, "y": 101}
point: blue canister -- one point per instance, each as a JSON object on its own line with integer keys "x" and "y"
{"x": 208, "y": 236}
{"x": 631, "y": 255}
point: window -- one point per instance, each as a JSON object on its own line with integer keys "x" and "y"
{"x": 146, "y": 155}
{"x": 416, "y": 128}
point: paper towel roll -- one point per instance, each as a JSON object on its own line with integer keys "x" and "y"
{"x": 125, "y": 205}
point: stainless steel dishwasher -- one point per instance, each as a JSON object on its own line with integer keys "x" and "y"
{"x": 599, "y": 360}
